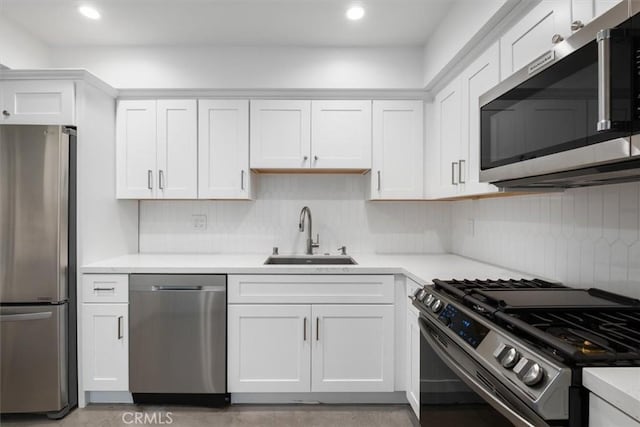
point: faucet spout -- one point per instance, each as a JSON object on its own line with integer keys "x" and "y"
{"x": 305, "y": 213}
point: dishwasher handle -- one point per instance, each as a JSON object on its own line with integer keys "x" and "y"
{"x": 188, "y": 288}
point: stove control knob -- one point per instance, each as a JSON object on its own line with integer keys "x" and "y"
{"x": 533, "y": 375}
{"x": 429, "y": 300}
{"x": 508, "y": 357}
{"x": 420, "y": 294}
{"x": 436, "y": 306}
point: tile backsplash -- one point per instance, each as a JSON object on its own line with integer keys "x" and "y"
{"x": 341, "y": 216}
{"x": 584, "y": 237}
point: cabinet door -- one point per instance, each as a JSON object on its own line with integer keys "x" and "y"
{"x": 531, "y": 36}
{"x": 177, "y": 148}
{"x": 448, "y": 111}
{"x": 478, "y": 78}
{"x": 353, "y": 348}
{"x": 413, "y": 361}
{"x": 136, "y": 149}
{"x": 280, "y": 134}
{"x": 38, "y": 102}
{"x": 341, "y": 134}
{"x": 586, "y": 10}
{"x": 105, "y": 347}
{"x": 269, "y": 348}
{"x": 223, "y": 141}
{"x": 398, "y": 166}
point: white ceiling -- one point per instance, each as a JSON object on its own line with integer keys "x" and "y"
{"x": 228, "y": 22}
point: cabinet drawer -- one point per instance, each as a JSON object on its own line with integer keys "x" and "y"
{"x": 309, "y": 289}
{"x": 105, "y": 288}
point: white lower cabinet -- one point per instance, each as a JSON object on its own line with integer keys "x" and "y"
{"x": 105, "y": 347}
{"x": 603, "y": 413}
{"x": 269, "y": 348}
{"x": 413, "y": 362}
{"x": 352, "y": 348}
{"x": 303, "y": 348}
{"x": 307, "y": 343}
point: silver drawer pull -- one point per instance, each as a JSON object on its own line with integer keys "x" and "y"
{"x": 150, "y": 179}
{"x": 104, "y": 289}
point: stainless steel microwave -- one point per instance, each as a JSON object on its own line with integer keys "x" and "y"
{"x": 571, "y": 118}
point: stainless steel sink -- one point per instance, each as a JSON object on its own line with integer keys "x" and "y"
{"x": 310, "y": 260}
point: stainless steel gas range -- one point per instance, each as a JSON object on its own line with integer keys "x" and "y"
{"x": 521, "y": 345}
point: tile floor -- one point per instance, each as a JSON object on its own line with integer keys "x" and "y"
{"x": 235, "y": 416}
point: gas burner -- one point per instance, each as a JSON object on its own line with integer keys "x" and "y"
{"x": 584, "y": 342}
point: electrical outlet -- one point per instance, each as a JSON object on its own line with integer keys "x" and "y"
{"x": 199, "y": 222}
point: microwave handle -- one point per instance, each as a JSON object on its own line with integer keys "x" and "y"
{"x": 603, "y": 39}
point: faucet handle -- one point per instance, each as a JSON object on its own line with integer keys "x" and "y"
{"x": 316, "y": 244}
{"x": 343, "y": 250}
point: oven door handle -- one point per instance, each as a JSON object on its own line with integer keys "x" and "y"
{"x": 474, "y": 384}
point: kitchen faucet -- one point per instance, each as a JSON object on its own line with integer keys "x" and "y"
{"x": 310, "y": 243}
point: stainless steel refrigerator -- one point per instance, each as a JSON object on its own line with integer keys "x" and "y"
{"x": 37, "y": 270}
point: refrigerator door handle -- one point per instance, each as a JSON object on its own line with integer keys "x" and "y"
{"x": 25, "y": 316}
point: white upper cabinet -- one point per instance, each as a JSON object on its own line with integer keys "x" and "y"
{"x": 583, "y": 11}
{"x": 136, "y": 132}
{"x": 156, "y": 145}
{"x": 310, "y": 134}
{"x": 341, "y": 134}
{"x": 280, "y": 134}
{"x": 177, "y": 148}
{"x": 223, "y": 141}
{"x": 478, "y": 78}
{"x": 534, "y": 34}
{"x": 37, "y": 102}
{"x": 448, "y": 134}
{"x": 397, "y": 169}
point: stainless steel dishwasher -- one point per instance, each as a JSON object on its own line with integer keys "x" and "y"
{"x": 177, "y": 346}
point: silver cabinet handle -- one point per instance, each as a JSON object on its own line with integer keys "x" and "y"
{"x": 104, "y": 289}
{"x": 460, "y": 168}
{"x": 304, "y": 329}
{"x": 604, "y": 80}
{"x": 453, "y": 173}
{"x": 557, "y": 38}
{"x": 242, "y": 179}
{"x": 577, "y": 25}
{"x": 379, "y": 184}
{"x": 6, "y": 113}
{"x": 317, "y": 329}
{"x": 120, "y": 336}
{"x": 315, "y": 158}
{"x": 150, "y": 179}
{"x": 161, "y": 179}
{"x": 305, "y": 158}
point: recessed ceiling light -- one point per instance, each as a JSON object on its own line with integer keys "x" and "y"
{"x": 89, "y": 12}
{"x": 355, "y": 12}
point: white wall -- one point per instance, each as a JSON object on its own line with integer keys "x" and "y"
{"x": 340, "y": 214}
{"x": 585, "y": 237}
{"x": 458, "y": 33}
{"x": 248, "y": 67}
{"x": 19, "y": 49}
{"x": 106, "y": 227}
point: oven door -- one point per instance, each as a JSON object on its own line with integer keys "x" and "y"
{"x": 509, "y": 410}
{"x": 578, "y": 112}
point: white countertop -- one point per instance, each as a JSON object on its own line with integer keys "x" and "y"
{"x": 421, "y": 268}
{"x": 618, "y": 386}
